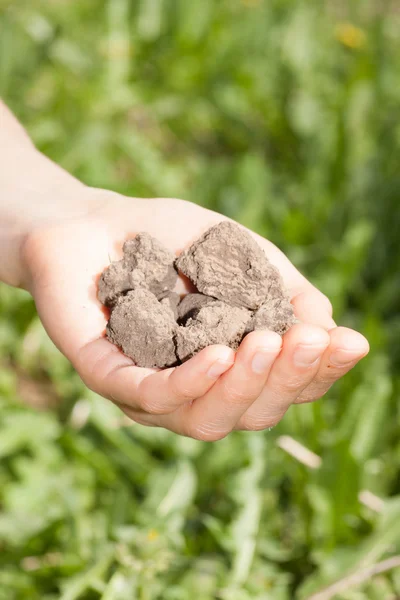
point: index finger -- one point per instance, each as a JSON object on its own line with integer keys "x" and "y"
{"x": 113, "y": 375}
{"x": 312, "y": 307}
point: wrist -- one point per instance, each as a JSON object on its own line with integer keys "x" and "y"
{"x": 34, "y": 193}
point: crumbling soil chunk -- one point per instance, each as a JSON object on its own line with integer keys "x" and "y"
{"x": 171, "y": 299}
{"x": 145, "y": 264}
{"x": 275, "y": 314}
{"x": 144, "y": 328}
{"x": 239, "y": 291}
{"x": 114, "y": 281}
{"x": 215, "y": 323}
{"x": 190, "y": 306}
{"x": 228, "y": 264}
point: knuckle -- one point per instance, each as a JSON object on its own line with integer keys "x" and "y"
{"x": 148, "y": 400}
{"x": 254, "y": 426}
{"x": 93, "y": 385}
{"x": 327, "y": 377}
{"x": 202, "y": 433}
{"x": 258, "y": 423}
{"x": 141, "y": 420}
{"x": 136, "y": 416}
{"x": 97, "y": 372}
{"x": 306, "y": 398}
{"x": 235, "y": 394}
{"x": 180, "y": 392}
{"x": 314, "y": 394}
{"x": 151, "y": 405}
{"x": 89, "y": 382}
{"x": 292, "y": 384}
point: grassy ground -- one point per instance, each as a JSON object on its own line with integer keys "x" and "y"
{"x": 283, "y": 114}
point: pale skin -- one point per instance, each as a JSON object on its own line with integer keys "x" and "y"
{"x": 56, "y": 237}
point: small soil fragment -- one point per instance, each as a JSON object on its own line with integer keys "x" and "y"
{"x": 145, "y": 264}
{"x": 190, "y": 306}
{"x": 228, "y": 264}
{"x": 144, "y": 328}
{"x": 113, "y": 282}
{"x": 216, "y": 323}
{"x": 171, "y": 299}
{"x": 275, "y": 314}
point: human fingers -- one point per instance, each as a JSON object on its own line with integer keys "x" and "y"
{"x": 113, "y": 375}
{"x": 346, "y": 348}
{"x": 108, "y": 372}
{"x": 311, "y": 306}
{"x": 165, "y": 391}
{"x": 295, "y": 368}
{"x": 212, "y": 416}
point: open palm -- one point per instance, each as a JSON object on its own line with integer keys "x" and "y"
{"x": 217, "y": 390}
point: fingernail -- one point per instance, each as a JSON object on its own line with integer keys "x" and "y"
{"x": 219, "y": 367}
{"x": 343, "y": 358}
{"x": 305, "y": 356}
{"x": 262, "y": 360}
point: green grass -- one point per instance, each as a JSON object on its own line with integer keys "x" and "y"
{"x": 280, "y": 115}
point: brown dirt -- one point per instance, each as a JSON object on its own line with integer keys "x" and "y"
{"x": 215, "y": 323}
{"x": 228, "y": 264}
{"x": 144, "y": 328}
{"x": 145, "y": 264}
{"x": 240, "y": 291}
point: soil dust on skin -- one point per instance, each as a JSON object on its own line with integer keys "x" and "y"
{"x": 238, "y": 290}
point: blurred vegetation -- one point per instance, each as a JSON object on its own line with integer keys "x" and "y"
{"x": 284, "y": 115}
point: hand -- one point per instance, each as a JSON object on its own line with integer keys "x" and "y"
{"x": 217, "y": 390}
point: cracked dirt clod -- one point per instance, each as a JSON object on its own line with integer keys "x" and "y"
{"x": 215, "y": 323}
{"x": 144, "y": 328}
{"x": 275, "y": 314}
{"x": 228, "y": 264}
{"x": 145, "y": 263}
{"x": 190, "y": 306}
{"x": 172, "y": 300}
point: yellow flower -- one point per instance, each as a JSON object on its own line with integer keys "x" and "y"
{"x": 349, "y": 35}
{"x": 152, "y": 535}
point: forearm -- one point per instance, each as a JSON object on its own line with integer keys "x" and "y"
{"x": 33, "y": 191}
{"x": 24, "y": 170}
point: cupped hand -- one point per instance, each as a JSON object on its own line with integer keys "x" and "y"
{"x": 216, "y": 391}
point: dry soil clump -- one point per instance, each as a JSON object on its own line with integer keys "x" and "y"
{"x": 145, "y": 264}
{"x": 240, "y": 291}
